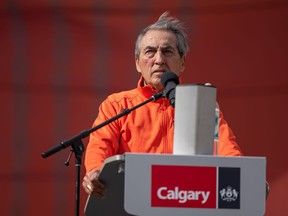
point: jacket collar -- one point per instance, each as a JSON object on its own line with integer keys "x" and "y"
{"x": 146, "y": 89}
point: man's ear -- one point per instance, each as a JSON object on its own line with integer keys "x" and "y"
{"x": 137, "y": 64}
{"x": 183, "y": 63}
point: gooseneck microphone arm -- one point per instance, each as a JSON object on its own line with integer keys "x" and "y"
{"x": 78, "y": 148}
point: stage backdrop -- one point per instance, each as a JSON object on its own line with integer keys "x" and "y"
{"x": 60, "y": 59}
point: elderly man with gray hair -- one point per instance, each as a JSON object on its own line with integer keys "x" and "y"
{"x": 160, "y": 47}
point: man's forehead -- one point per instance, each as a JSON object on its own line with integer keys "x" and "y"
{"x": 158, "y": 38}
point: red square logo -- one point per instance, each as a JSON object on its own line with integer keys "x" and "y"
{"x": 183, "y": 186}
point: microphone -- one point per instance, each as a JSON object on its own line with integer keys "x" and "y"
{"x": 170, "y": 80}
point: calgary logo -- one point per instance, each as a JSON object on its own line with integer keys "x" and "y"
{"x": 183, "y": 186}
{"x": 229, "y": 194}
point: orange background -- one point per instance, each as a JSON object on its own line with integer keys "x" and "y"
{"x": 60, "y": 59}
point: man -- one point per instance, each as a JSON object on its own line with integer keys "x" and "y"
{"x": 160, "y": 47}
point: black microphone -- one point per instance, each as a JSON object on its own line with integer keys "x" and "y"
{"x": 169, "y": 81}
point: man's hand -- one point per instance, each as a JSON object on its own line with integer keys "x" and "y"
{"x": 92, "y": 185}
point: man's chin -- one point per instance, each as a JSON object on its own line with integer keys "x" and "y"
{"x": 158, "y": 86}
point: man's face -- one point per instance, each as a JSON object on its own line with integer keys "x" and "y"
{"x": 158, "y": 53}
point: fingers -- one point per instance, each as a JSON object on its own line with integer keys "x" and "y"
{"x": 86, "y": 184}
{"x": 92, "y": 185}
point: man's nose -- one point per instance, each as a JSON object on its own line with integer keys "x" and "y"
{"x": 159, "y": 58}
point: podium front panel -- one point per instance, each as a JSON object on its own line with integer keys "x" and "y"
{"x": 194, "y": 185}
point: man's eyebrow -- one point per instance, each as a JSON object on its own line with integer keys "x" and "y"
{"x": 149, "y": 47}
{"x": 167, "y": 47}
{"x": 163, "y": 47}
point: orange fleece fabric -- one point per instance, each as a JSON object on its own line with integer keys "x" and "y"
{"x": 148, "y": 129}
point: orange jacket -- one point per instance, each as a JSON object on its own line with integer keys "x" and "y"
{"x": 148, "y": 129}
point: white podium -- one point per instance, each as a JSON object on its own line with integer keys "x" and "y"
{"x": 164, "y": 185}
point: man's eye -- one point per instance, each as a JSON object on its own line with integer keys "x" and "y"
{"x": 168, "y": 51}
{"x": 149, "y": 51}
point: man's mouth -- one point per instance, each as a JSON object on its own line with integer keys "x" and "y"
{"x": 158, "y": 73}
{"x": 162, "y": 70}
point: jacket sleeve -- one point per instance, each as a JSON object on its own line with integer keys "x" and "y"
{"x": 103, "y": 142}
{"x": 227, "y": 141}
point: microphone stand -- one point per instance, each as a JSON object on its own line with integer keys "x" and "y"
{"x": 78, "y": 148}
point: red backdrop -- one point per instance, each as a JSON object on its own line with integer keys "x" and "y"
{"x": 60, "y": 59}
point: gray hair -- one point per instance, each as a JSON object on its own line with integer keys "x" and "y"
{"x": 166, "y": 23}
